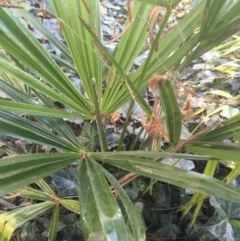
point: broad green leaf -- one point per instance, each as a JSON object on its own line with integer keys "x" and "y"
{"x": 171, "y": 110}
{"x": 18, "y": 127}
{"x": 236, "y": 226}
{"x": 12, "y": 220}
{"x": 134, "y": 217}
{"x": 224, "y": 223}
{"x": 101, "y": 217}
{"x": 224, "y": 151}
{"x": 19, "y": 171}
{"x": 54, "y": 224}
{"x": 34, "y": 110}
{"x": 187, "y": 179}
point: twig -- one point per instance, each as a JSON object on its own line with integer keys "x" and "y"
{"x": 10, "y": 6}
{"x": 7, "y": 205}
{"x": 192, "y": 138}
{"x": 121, "y": 34}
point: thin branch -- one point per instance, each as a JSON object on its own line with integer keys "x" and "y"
{"x": 6, "y": 205}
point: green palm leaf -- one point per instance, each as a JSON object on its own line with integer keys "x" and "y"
{"x": 54, "y": 224}
{"x": 56, "y": 124}
{"x": 134, "y": 217}
{"x": 17, "y": 172}
{"x": 171, "y": 110}
{"x": 81, "y": 45}
{"x": 101, "y": 217}
{"x": 18, "y": 127}
{"x": 17, "y": 73}
{"x": 17, "y": 40}
{"x": 12, "y": 220}
{"x": 165, "y": 3}
{"x": 224, "y": 151}
{"x": 175, "y": 176}
{"x": 34, "y": 110}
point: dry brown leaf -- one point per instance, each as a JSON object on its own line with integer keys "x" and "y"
{"x": 154, "y": 126}
{"x": 153, "y": 81}
{"x": 114, "y": 117}
{"x": 154, "y": 13}
{"x": 8, "y": 4}
{"x": 186, "y": 109}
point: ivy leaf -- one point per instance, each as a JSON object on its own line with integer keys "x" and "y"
{"x": 236, "y": 226}
{"x": 89, "y": 136}
{"x": 225, "y": 209}
{"x": 135, "y": 188}
{"x": 220, "y": 224}
{"x": 158, "y": 193}
{"x": 65, "y": 183}
{"x": 72, "y": 231}
{"x": 199, "y": 233}
{"x": 169, "y": 229}
{"x": 183, "y": 164}
{"x": 224, "y": 225}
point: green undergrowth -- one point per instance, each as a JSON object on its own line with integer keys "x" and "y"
{"x": 119, "y": 121}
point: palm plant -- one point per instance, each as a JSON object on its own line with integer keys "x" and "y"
{"x": 34, "y": 80}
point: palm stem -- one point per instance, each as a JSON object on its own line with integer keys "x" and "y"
{"x": 102, "y": 136}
